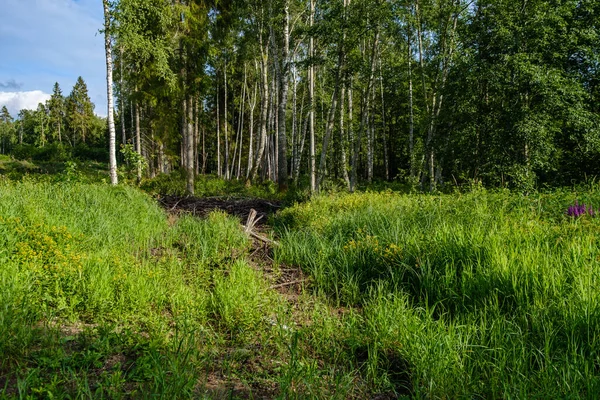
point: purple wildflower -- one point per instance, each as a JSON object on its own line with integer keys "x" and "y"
{"x": 578, "y": 210}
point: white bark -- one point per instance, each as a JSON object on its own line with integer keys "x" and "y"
{"x": 283, "y": 86}
{"x": 189, "y": 146}
{"x": 311, "y": 100}
{"x": 112, "y": 145}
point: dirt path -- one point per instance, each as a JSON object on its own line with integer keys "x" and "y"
{"x": 289, "y": 281}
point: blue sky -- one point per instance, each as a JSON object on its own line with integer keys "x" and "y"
{"x": 47, "y": 41}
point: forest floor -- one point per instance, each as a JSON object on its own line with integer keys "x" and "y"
{"x": 234, "y": 206}
{"x": 109, "y": 292}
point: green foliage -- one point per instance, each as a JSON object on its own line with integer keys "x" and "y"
{"x": 458, "y": 290}
{"x": 209, "y": 185}
{"x": 240, "y": 298}
{"x": 134, "y": 161}
{"x": 479, "y": 294}
{"x": 55, "y": 152}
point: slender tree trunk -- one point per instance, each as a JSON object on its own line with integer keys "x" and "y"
{"x": 264, "y": 108}
{"x": 132, "y": 116}
{"x": 225, "y": 123}
{"x": 343, "y": 162}
{"x": 274, "y": 127}
{"x": 351, "y": 138}
{"x": 184, "y": 135}
{"x": 384, "y": 131}
{"x": 251, "y": 128}
{"x": 283, "y": 86}
{"x": 241, "y": 128}
{"x": 411, "y": 118}
{"x": 203, "y": 149}
{"x": 218, "y": 135}
{"x": 294, "y": 121}
{"x": 332, "y": 111}
{"x": 328, "y": 129}
{"x": 301, "y": 149}
{"x": 138, "y": 140}
{"x": 437, "y": 96}
{"x": 121, "y": 106}
{"x": 189, "y": 148}
{"x": 370, "y": 136}
{"x": 151, "y": 163}
{"x": 112, "y": 145}
{"x": 311, "y": 100}
{"x": 364, "y": 114}
{"x": 196, "y": 134}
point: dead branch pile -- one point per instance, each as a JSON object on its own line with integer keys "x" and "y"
{"x": 239, "y": 207}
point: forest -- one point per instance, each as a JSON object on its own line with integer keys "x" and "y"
{"x": 429, "y": 93}
{"x": 309, "y": 199}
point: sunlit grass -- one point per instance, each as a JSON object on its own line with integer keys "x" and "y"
{"x": 488, "y": 294}
{"x": 479, "y": 295}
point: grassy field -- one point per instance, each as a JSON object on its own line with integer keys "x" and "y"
{"x": 478, "y": 295}
{"x": 488, "y": 295}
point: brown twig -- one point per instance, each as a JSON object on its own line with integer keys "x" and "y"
{"x": 262, "y": 238}
{"x": 287, "y": 284}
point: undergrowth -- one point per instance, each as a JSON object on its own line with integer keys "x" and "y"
{"x": 478, "y": 295}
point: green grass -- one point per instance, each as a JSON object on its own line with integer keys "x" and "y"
{"x": 478, "y": 295}
{"x": 213, "y": 186}
{"x": 92, "y": 274}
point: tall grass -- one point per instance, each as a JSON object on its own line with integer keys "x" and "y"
{"x": 484, "y": 294}
{"x": 93, "y": 273}
{"x": 480, "y": 295}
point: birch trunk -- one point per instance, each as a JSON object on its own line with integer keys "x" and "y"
{"x": 384, "y": 131}
{"x": 343, "y": 162}
{"x": 241, "y": 123}
{"x": 294, "y": 121}
{"x": 112, "y": 147}
{"x": 121, "y": 107}
{"x": 138, "y": 139}
{"x": 301, "y": 150}
{"x": 283, "y": 95}
{"x": 225, "y": 123}
{"x": 364, "y": 114}
{"x": 196, "y": 134}
{"x": 370, "y": 137}
{"x": 311, "y": 100}
{"x": 190, "y": 146}
{"x": 251, "y": 128}
{"x": 328, "y": 129}
{"x": 411, "y": 119}
{"x": 218, "y": 135}
{"x": 264, "y": 109}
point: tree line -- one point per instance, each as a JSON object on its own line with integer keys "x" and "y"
{"x": 61, "y": 121}
{"x": 315, "y": 92}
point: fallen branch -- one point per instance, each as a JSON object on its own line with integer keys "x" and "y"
{"x": 261, "y": 238}
{"x": 287, "y": 284}
{"x": 251, "y": 222}
{"x": 176, "y": 204}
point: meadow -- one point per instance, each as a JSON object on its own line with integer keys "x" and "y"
{"x": 480, "y": 294}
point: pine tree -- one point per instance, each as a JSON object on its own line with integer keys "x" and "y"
{"x": 56, "y": 109}
{"x": 80, "y": 111}
{"x": 6, "y": 129}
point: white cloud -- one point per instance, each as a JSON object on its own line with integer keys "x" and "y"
{"x": 17, "y": 101}
{"x": 47, "y": 41}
